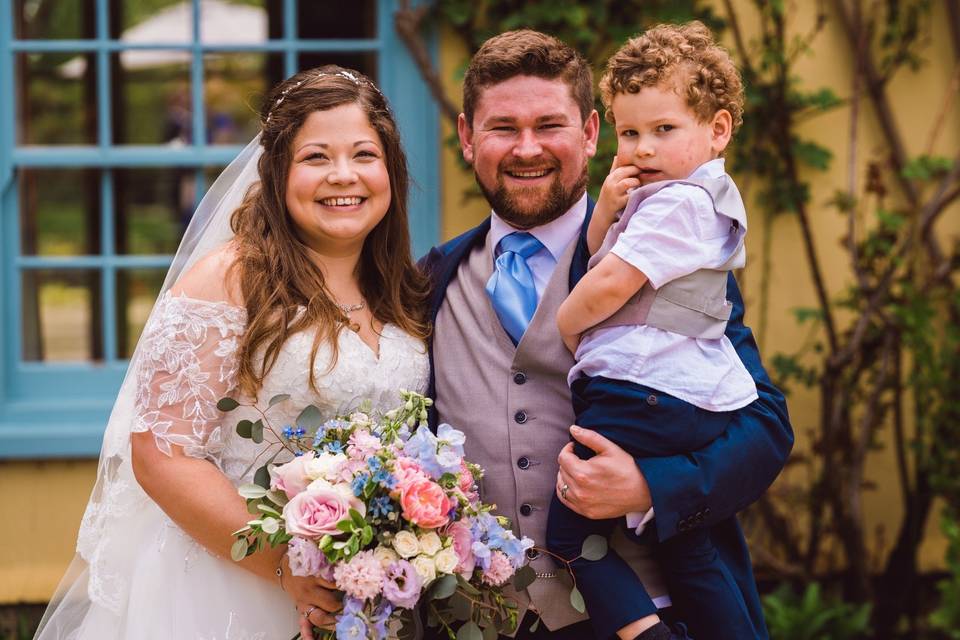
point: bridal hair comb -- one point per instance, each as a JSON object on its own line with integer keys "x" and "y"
{"x": 342, "y": 73}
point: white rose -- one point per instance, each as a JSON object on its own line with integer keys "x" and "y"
{"x": 430, "y": 543}
{"x": 385, "y": 555}
{"x": 326, "y": 466}
{"x": 406, "y": 544}
{"x": 425, "y": 568}
{"x": 446, "y": 561}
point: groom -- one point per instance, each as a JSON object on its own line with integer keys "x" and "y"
{"x": 528, "y": 128}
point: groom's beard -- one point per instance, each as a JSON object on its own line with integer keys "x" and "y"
{"x": 515, "y": 207}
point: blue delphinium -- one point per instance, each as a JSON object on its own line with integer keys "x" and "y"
{"x": 380, "y": 506}
{"x": 437, "y": 454}
{"x": 351, "y": 627}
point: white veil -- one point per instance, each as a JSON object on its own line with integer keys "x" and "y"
{"x": 108, "y": 535}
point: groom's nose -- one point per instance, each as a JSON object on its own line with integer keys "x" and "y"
{"x": 528, "y": 146}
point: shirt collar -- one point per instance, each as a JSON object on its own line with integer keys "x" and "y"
{"x": 555, "y": 235}
{"x": 711, "y": 169}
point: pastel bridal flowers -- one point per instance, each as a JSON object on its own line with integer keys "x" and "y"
{"x": 390, "y": 512}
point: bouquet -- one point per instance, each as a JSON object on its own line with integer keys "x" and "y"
{"x": 389, "y": 511}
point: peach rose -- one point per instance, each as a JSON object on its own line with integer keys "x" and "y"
{"x": 425, "y": 504}
{"x": 463, "y": 547}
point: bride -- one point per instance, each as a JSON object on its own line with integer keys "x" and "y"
{"x": 306, "y": 288}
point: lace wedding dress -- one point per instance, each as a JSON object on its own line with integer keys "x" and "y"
{"x": 141, "y": 576}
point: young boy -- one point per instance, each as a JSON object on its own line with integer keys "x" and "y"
{"x": 654, "y": 371}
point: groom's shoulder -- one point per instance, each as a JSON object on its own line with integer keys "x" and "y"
{"x": 451, "y": 249}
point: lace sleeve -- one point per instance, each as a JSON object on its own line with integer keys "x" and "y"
{"x": 186, "y": 363}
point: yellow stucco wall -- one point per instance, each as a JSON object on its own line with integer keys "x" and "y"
{"x": 45, "y": 500}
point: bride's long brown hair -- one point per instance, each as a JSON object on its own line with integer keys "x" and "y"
{"x": 276, "y": 276}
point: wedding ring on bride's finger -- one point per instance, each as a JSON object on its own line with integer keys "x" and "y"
{"x": 306, "y": 614}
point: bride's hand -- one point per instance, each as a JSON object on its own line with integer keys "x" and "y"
{"x": 317, "y": 600}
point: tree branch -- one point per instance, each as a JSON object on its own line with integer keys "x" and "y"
{"x": 407, "y": 22}
{"x": 738, "y": 40}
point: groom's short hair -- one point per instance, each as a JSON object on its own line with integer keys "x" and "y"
{"x": 527, "y": 53}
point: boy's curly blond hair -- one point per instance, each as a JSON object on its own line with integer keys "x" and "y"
{"x": 684, "y": 55}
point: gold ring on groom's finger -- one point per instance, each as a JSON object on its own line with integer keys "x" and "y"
{"x": 563, "y": 490}
{"x": 306, "y": 614}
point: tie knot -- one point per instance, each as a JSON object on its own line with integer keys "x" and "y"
{"x": 521, "y": 243}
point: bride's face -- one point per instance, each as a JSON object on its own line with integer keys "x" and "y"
{"x": 338, "y": 187}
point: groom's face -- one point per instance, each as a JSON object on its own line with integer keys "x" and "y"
{"x": 529, "y": 148}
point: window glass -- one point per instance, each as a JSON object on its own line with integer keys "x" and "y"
{"x": 56, "y": 98}
{"x": 151, "y": 97}
{"x": 239, "y": 21}
{"x": 153, "y": 207}
{"x": 59, "y": 212}
{"x": 315, "y": 19}
{"x": 53, "y": 19}
{"x": 156, "y": 21}
{"x": 235, "y": 85}
{"x": 365, "y": 63}
{"x": 137, "y": 290}
{"x": 60, "y": 315}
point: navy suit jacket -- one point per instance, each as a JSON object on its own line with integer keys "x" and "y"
{"x": 704, "y": 488}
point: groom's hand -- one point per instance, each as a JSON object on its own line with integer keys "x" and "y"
{"x": 608, "y": 485}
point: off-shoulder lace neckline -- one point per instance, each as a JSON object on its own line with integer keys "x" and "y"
{"x": 183, "y": 297}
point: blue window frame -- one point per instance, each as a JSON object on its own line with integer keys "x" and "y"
{"x": 84, "y": 181}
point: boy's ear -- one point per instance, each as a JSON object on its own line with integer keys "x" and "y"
{"x": 722, "y": 130}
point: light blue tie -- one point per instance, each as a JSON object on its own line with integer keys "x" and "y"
{"x": 511, "y": 288}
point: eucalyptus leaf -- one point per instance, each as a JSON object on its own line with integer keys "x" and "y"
{"x": 278, "y": 498}
{"x": 535, "y": 625}
{"x": 469, "y": 631}
{"x": 460, "y": 606}
{"x": 466, "y": 586}
{"x": 239, "y": 549}
{"x": 256, "y": 431}
{"x": 524, "y": 577}
{"x": 277, "y": 399}
{"x": 262, "y": 477}
{"x": 490, "y": 633}
{"x": 594, "y": 547}
{"x": 251, "y": 491}
{"x": 244, "y": 428}
{"x": 310, "y": 417}
{"x": 268, "y": 509}
{"x": 444, "y": 587}
{"x": 576, "y": 600}
{"x": 227, "y": 404}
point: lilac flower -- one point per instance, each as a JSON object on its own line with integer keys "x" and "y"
{"x": 306, "y": 559}
{"x": 436, "y": 454}
{"x": 402, "y": 584}
{"x": 351, "y": 627}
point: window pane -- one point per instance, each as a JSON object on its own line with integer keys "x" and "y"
{"x": 54, "y": 19}
{"x": 365, "y": 63}
{"x": 153, "y": 208}
{"x": 56, "y": 98}
{"x": 239, "y": 21}
{"x": 61, "y": 315}
{"x": 315, "y": 19}
{"x": 138, "y": 22}
{"x": 59, "y": 212}
{"x": 137, "y": 290}
{"x": 151, "y": 97}
{"x": 235, "y": 85}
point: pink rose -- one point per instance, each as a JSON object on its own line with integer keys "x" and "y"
{"x": 463, "y": 547}
{"x": 407, "y": 471}
{"x": 317, "y": 510}
{"x": 291, "y": 478}
{"x": 425, "y": 504}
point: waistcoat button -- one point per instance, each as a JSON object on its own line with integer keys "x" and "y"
{"x": 523, "y": 462}
{"x": 520, "y": 416}
{"x": 526, "y": 509}
{"x": 519, "y": 377}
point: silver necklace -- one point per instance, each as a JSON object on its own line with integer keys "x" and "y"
{"x": 347, "y": 309}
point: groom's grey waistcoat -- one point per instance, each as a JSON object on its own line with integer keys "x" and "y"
{"x": 513, "y": 403}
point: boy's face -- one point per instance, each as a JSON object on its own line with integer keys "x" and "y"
{"x": 659, "y": 134}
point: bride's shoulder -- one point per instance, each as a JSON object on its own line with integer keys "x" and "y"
{"x": 212, "y": 278}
